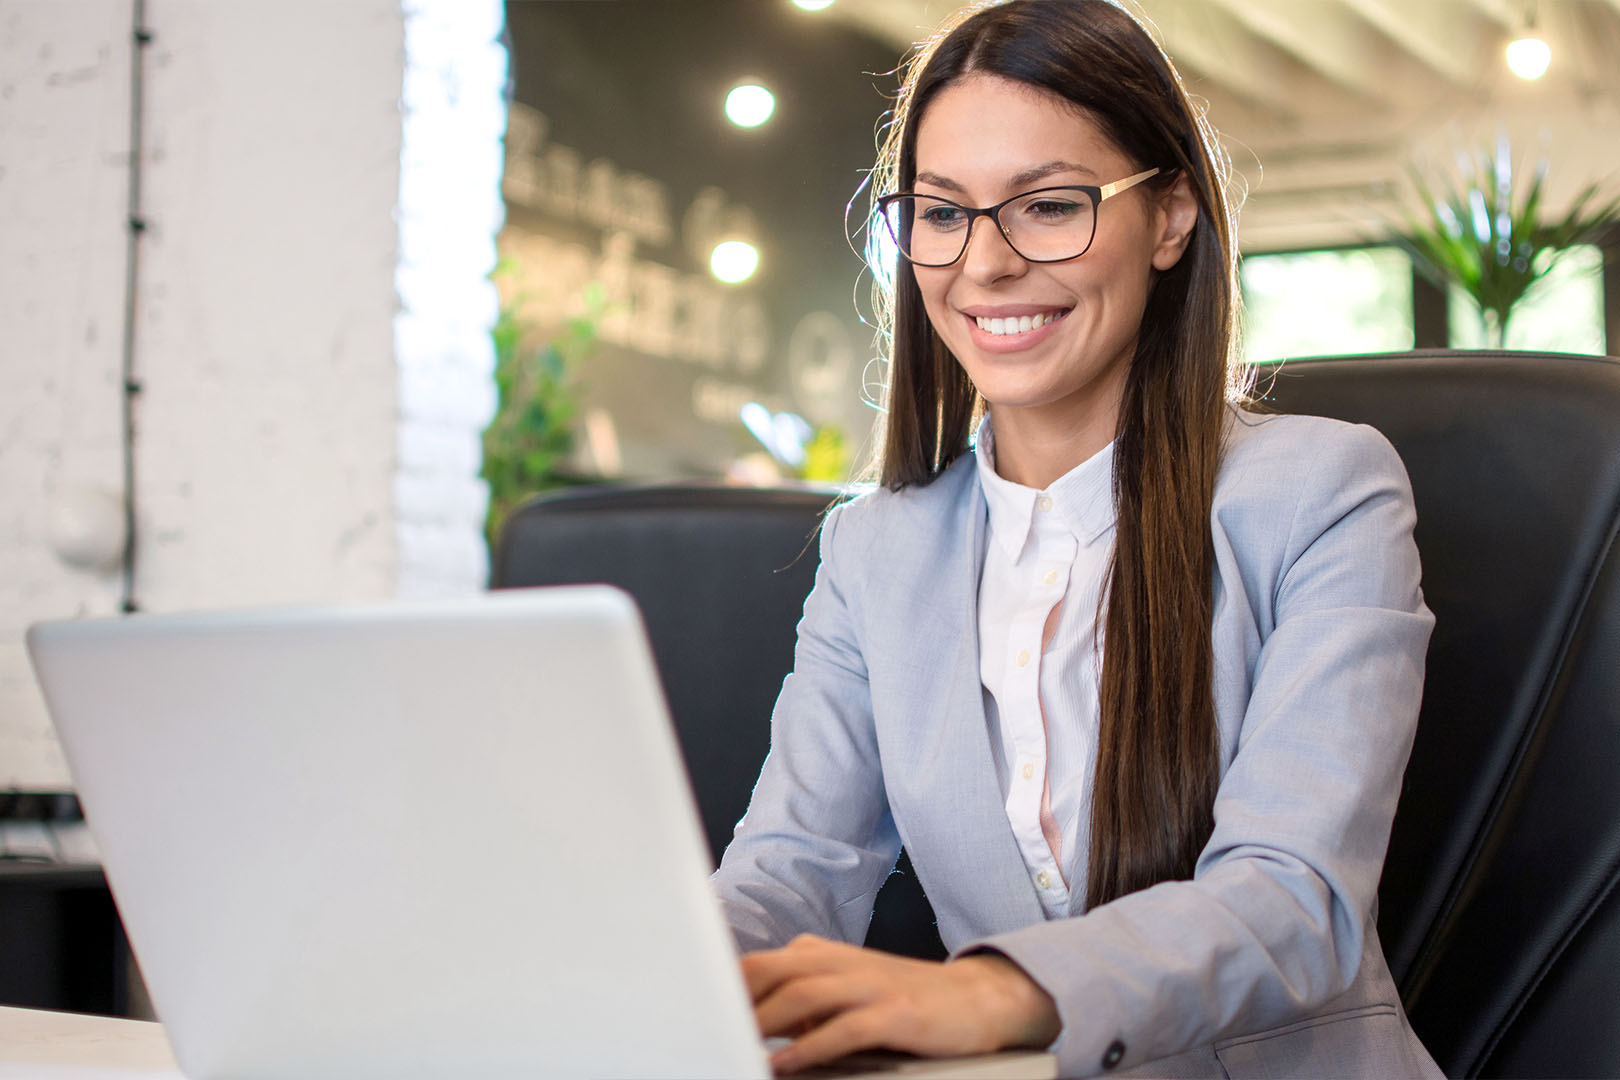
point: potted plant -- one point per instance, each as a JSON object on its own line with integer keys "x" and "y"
{"x": 1483, "y": 231}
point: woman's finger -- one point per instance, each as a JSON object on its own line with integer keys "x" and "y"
{"x": 805, "y": 955}
{"x": 810, "y": 999}
{"x": 846, "y": 1033}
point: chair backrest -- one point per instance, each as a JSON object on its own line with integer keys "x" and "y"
{"x": 1498, "y": 907}
{"x": 720, "y": 574}
{"x": 1499, "y": 910}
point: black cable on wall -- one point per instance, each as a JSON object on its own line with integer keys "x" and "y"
{"x": 141, "y": 38}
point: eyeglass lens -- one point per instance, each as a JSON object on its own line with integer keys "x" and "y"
{"x": 1045, "y": 226}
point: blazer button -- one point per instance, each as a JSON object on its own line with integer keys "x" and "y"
{"x": 1113, "y": 1055}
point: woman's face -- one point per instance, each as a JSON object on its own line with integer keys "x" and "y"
{"x": 984, "y": 139}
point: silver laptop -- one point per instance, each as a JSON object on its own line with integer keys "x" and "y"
{"x": 421, "y": 840}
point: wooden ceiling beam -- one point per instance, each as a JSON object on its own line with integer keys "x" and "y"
{"x": 1212, "y": 50}
{"x": 1332, "y": 41}
{"x": 1209, "y": 47}
{"x": 1582, "y": 39}
{"x": 1448, "y": 37}
{"x": 1508, "y": 14}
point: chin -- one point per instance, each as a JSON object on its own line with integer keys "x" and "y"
{"x": 1071, "y": 389}
{"x": 1002, "y": 395}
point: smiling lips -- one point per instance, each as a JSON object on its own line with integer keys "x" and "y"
{"x": 1015, "y": 330}
{"x": 1016, "y": 325}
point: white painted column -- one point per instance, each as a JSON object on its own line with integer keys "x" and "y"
{"x": 321, "y": 183}
{"x": 64, "y": 125}
{"x": 265, "y": 429}
{"x": 450, "y": 209}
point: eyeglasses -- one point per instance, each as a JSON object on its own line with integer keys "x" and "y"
{"x": 1051, "y": 224}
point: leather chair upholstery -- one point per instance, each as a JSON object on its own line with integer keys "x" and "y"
{"x": 1498, "y": 907}
{"x": 720, "y": 575}
{"x": 1499, "y": 910}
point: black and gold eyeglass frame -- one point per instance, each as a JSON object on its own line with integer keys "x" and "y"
{"x": 1046, "y": 225}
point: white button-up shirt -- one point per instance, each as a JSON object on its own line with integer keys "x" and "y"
{"x": 1040, "y": 658}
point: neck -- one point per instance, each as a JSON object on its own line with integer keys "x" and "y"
{"x": 1035, "y": 446}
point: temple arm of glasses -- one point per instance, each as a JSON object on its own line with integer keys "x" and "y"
{"x": 1108, "y": 190}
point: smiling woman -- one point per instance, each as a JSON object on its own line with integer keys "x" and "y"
{"x": 1130, "y": 671}
{"x": 1060, "y": 380}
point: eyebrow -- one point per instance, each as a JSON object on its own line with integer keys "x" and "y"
{"x": 1028, "y": 176}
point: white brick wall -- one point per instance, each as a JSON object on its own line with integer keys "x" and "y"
{"x": 449, "y": 212}
{"x": 266, "y": 425}
{"x": 64, "y": 119}
{"x": 312, "y": 318}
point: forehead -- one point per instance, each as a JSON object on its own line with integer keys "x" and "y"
{"x": 983, "y": 128}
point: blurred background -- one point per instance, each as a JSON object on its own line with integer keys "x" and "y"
{"x": 300, "y": 300}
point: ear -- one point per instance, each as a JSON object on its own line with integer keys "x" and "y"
{"x": 1176, "y": 215}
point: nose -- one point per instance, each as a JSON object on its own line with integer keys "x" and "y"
{"x": 989, "y": 257}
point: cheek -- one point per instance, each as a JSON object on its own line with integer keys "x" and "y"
{"x": 933, "y": 288}
{"x": 1125, "y": 248}
{"x": 1120, "y": 285}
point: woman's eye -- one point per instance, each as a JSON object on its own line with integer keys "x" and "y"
{"x": 1052, "y": 209}
{"x": 942, "y": 217}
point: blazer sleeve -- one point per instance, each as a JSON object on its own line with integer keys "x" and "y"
{"x": 818, "y": 838}
{"x": 1272, "y": 924}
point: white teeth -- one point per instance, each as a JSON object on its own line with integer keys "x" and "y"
{"x": 1020, "y": 325}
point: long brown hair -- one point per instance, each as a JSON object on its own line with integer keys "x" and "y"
{"x": 1157, "y": 760}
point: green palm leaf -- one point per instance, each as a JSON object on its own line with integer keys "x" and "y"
{"x": 1478, "y": 231}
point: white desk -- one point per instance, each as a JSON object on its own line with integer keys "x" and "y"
{"x": 38, "y": 1045}
{"x": 41, "y": 1045}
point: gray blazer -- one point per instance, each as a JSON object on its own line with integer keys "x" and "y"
{"x": 1267, "y": 962}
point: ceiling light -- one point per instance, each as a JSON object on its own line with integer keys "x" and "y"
{"x": 749, "y": 105}
{"x": 812, "y": 5}
{"x": 1529, "y": 57}
{"x": 734, "y": 261}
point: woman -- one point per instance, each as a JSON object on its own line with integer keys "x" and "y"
{"x": 1133, "y": 675}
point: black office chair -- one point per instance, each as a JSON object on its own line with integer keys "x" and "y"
{"x": 720, "y": 575}
{"x": 1498, "y": 908}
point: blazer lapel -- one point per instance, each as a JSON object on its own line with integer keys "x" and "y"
{"x": 952, "y": 761}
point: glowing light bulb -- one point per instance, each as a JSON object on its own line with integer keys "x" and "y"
{"x": 734, "y": 261}
{"x": 750, "y": 105}
{"x": 1529, "y": 57}
{"x": 812, "y": 5}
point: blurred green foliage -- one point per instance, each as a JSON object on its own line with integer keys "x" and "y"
{"x": 826, "y": 456}
{"x": 1488, "y": 238}
{"x": 528, "y": 443}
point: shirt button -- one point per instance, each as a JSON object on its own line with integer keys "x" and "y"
{"x": 1113, "y": 1055}
{"x": 1022, "y": 659}
{"x": 1029, "y": 771}
{"x": 1043, "y": 879}
{"x": 1044, "y": 502}
{"x": 1050, "y": 577}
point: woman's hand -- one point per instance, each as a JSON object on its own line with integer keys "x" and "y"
{"x": 835, "y": 999}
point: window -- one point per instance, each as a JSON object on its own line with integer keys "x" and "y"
{"x": 1327, "y": 303}
{"x": 1563, "y": 312}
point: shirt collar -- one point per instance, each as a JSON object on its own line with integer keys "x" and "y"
{"x": 1083, "y": 496}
